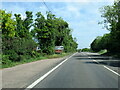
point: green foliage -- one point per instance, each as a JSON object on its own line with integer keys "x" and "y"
{"x": 5, "y": 59}
{"x": 23, "y": 26}
{"x": 53, "y": 32}
{"x": 79, "y": 50}
{"x": 86, "y": 50}
{"x": 27, "y": 23}
{"x": 57, "y": 55}
{"x": 111, "y": 41}
{"x": 102, "y": 51}
{"x": 101, "y": 43}
{"x": 95, "y": 45}
{"x": 111, "y": 15}
{"x": 18, "y": 39}
{"x": 8, "y": 24}
{"x": 45, "y": 33}
{"x": 17, "y": 47}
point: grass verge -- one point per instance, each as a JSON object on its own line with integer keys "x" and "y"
{"x": 102, "y": 51}
{"x": 0, "y": 60}
{"x": 57, "y": 55}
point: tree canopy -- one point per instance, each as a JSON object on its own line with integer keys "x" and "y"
{"x": 111, "y": 41}
{"x": 19, "y": 35}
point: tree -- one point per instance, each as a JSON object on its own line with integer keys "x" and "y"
{"x": 28, "y": 20}
{"x": 8, "y": 25}
{"x": 52, "y": 32}
{"x": 41, "y": 31}
{"x": 96, "y": 44}
{"x": 17, "y": 38}
{"x": 17, "y": 43}
{"x": 111, "y": 41}
{"x": 111, "y": 16}
{"x": 23, "y": 26}
{"x": 19, "y": 26}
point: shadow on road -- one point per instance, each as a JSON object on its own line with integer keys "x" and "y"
{"x": 110, "y": 63}
{"x": 104, "y": 60}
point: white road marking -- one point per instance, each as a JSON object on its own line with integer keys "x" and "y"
{"x": 107, "y": 68}
{"x": 45, "y": 75}
{"x": 95, "y": 61}
{"x": 111, "y": 70}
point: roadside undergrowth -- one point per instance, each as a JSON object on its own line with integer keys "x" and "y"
{"x": 11, "y": 63}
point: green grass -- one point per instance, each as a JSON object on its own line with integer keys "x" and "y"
{"x": 11, "y": 64}
{"x": 22, "y": 62}
{"x": 102, "y": 52}
{"x": 0, "y": 60}
{"x": 57, "y": 55}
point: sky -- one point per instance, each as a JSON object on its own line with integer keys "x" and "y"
{"x": 82, "y": 16}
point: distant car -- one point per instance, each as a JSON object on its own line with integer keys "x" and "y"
{"x": 59, "y": 49}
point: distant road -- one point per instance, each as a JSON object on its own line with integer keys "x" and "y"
{"x": 81, "y": 71}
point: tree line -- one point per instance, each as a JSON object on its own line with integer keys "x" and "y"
{"x": 110, "y": 41}
{"x": 20, "y": 37}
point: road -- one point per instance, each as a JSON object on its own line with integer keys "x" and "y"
{"x": 80, "y": 71}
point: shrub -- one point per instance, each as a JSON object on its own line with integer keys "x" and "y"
{"x": 13, "y": 56}
{"x": 86, "y": 50}
{"x": 18, "y": 48}
{"x": 5, "y": 59}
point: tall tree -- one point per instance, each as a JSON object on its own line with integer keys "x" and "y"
{"x": 42, "y": 32}
{"x": 19, "y": 26}
{"x": 52, "y": 32}
{"x": 111, "y": 41}
{"x": 23, "y": 26}
{"x": 8, "y": 25}
{"x": 111, "y": 16}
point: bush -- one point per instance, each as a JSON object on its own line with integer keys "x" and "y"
{"x": 79, "y": 50}
{"x": 18, "y": 48}
{"x": 5, "y": 59}
{"x": 35, "y": 54}
{"x": 86, "y": 50}
{"x": 13, "y": 56}
{"x": 22, "y": 57}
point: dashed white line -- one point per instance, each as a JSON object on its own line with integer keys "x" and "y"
{"x": 45, "y": 75}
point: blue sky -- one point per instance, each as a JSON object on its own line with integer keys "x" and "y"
{"x": 83, "y": 17}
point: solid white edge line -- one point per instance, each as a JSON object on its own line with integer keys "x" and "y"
{"x": 108, "y": 68}
{"x": 45, "y": 75}
{"x": 111, "y": 70}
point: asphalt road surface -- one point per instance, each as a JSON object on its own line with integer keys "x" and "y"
{"x": 81, "y": 71}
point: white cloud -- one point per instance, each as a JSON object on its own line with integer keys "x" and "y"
{"x": 74, "y": 11}
{"x": 82, "y": 17}
{"x": 58, "y": 0}
{"x": 15, "y": 9}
